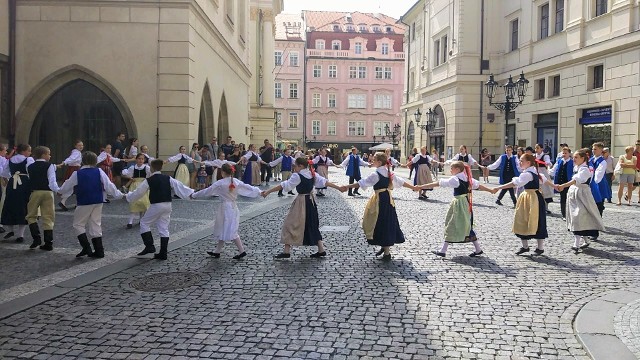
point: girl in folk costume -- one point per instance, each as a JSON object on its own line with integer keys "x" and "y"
{"x": 217, "y": 165}
{"x": 182, "y": 172}
{"x": 458, "y": 225}
{"x": 380, "y": 220}
{"x": 530, "y": 218}
{"x": 252, "y": 162}
{"x": 137, "y": 173}
{"x": 583, "y": 218}
{"x": 286, "y": 166}
{"x": 227, "y": 221}
{"x": 73, "y": 163}
{"x": 301, "y": 227}
{"x": 18, "y": 191}
{"x": 144, "y": 150}
{"x": 393, "y": 162}
{"x": 463, "y": 156}
{"x": 562, "y": 172}
{"x": 105, "y": 162}
{"x": 422, "y": 164}
{"x": 353, "y": 162}
{"x": 132, "y": 150}
{"x": 543, "y": 162}
{"x": 322, "y": 162}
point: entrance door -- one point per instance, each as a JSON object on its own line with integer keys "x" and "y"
{"x": 547, "y": 137}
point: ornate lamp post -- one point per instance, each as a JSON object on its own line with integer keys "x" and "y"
{"x": 514, "y": 95}
{"x": 431, "y": 121}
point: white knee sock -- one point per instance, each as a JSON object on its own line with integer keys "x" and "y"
{"x": 525, "y": 244}
{"x": 239, "y": 245}
{"x": 576, "y": 243}
{"x": 445, "y": 246}
{"x": 219, "y": 246}
{"x": 132, "y": 216}
{"x": 476, "y": 244}
{"x": 585, "y": 239}
{"x": 540, "y": 244}
{"x": 20, "y": 230}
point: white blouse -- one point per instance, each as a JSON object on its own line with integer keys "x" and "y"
{"x": 373, "y": 178}
{"x": 221, "y": 188}
{"x": 454, "y": 181}
{"x": 128, "y": 172}
{"x": 217, "y": 163}
{"x": 103, "y": 156}
{"x": 459, "y": 155}
{"x": 326, "y": 160}
{"x": 16, "y": 159}
{"x": 176, "y": 158}
{"x": 251, "y": 153}
{"x": 417, "y": 157}
{"x": 581, "y": 174}
{"x": 75, "y": 159}
{"x": 178, "y": 188}
{"x": 294, "y": 180}
{"x": 526, "y": 176}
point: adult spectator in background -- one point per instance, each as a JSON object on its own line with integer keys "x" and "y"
{"x": 117, "y": 151}
{"x": 414, "y": 152}
{"x": 627, "y": 177}
{"x": 266, "y": 154}
{"x": 193, "y": 170}
{"x": 606, "y": 154}
{"x": 214, "y": 147}
{"x": 227, "y": 147}
{"x": 485, "y": 160}
{"x": 235, "y": 157}
{"x": 636, "y": 153}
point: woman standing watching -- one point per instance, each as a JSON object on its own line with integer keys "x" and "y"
{"x": 195, "y": 155}
{"x": 485, "y": 160}
{"x": 627, "y": 164}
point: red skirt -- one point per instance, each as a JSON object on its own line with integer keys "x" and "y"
{"x": 70, "y": 170}
{"x": 107, "y": 170}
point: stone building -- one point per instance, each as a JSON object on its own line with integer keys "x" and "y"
{"x": 582, "y": 59}
{"x": 168, "y": 73}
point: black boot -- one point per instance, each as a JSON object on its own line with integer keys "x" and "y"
{"x": 147, "y": 239}
{"x": 48, "y": 240}
{"x": 86, "y": 247}
{"x": 280, "y": 193}
{"x": 98, "y": 250}
{"x": 290, "y": 193}
{"x": 35, "y": 234}
{"x": 162, "y": 255}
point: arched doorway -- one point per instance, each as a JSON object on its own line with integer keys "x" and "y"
{"x": 77, "y": 110}
{"x": 206, "y": 127}
{"x": 436, "y": 138}
{"x": 223, "y": 121}
{"x": 411, "y": 137}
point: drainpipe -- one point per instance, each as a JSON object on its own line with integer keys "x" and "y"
{"x": 481, "y": 83}
{"x": 158, "y": 91}
{"x": 12, "y": 72}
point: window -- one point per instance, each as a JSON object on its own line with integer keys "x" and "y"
{"x": 362, "y": 28}
{"x": 544, "y": 21}
{"x": 315, "y": 127}
{"x": 293, "y": 91}
{"x": 353, "y": 72}
{"x": 514, "y": 35}
{"x": 387, "y": 73}
{"x": 293, "y": 58}
{"x": 241, "y": 19}
{"x": 278, "y": 58}
{"x": 376, "y": 28}
{"x": 597, "y": 77}
{"x": 278, "y": 90}
{"x": 331, "y": 127}
{"x": 559, "y": 16}
{"x": 362, "y": 72}
{"x": 358, "y": 48}
{"x": 356, "y": 128}
{"x": 336, "y": 27}
{"x": 278, "y": 120}
{"x": 539, "y": 89}
{"x": 379, "y": 72}
{"x": 555, "y": 86}
{"x": 320, "y": 44}
{"x": 316, "y": 101}
{"x": 385, "y": 49}
{"x": 293, "y": 120}
{"x": 382, "y": 102}
{"x": 379, "y": 127}
{"x": 601, "y": 7}
{"x": 351, "y": 28}
{"x": 357, "y": 101}
{"x": 333, "y": 71}
{"x": 444, "y": 48}
{"x": 317, "y": 71}
{"x": 436, "y": 54}
{"x": 336, "y": 45}
{"x": 389, "y": 29}
{"x": 331, "y": 100}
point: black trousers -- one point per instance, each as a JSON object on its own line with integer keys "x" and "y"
{"x": 511, "y": 193}
{"x": 353, "y": 179}
{"x": 265, "y": 171}
{"x": 563, "y": 202}
{"x": 609, "y": 176}
{"x": 600, "y": 207}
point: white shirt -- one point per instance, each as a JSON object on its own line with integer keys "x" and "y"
{"x": 128, "y": 172}
{"x": 472, "y": 161}
{"x": 16, "y": 159}
{"x": 4, "y": 163}
{"x": 374, "y": 177}
{"x": 526, "y": 176}
{"x": 345, "y": 163}
{"x": 149, "y": 158}
{"x": 51, "y": 176}
{"x": 177, "y": 157}
{"x": 600, "y": 171}
{"x": 251, "y": 153}
{"x": 221, "y": 188}
{"x": 133, "y": 151}
{"x": 279, "y": 160}
{"x": 294, "y": 180}
{"x": 544, "y": 157}
{"x": 498, "y": 162}
{"x": 555, "y": 167}
{"x": 75, "y": 159}
{"x": 326, "y": 160}
{"x": 67, "y": 188}
{"x": 217, "y": 163}
{"x": 103, "y": 156}
{"x": 582, "y": 174}
{"x": 454, "y": 181}
{"x": 298, "y": 154}
{"x": 178, "y": 188}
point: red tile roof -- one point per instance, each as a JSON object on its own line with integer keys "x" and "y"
{"x": 324, "y": 21}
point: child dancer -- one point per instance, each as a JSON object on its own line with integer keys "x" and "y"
{"x": 18, "y": 192}
{"x": 422, "y": 164}
{"x": 458, "y": 225}
{"x": 159, "y": 213}
{"x": 73, "y": 164}
{"x": 252, "y": 163}
{"x": 353, "y": 162}
{"x": 182, "y": 172}
{"x": 301, "y": 226}
{"x": 42, "y": 176}
{"x": 530, "y": 218}
{"x": 508, "y": 164}
{"x": 227, "y": 216}
{"x": 583, "y": 218}
{"x": 600, "y": 168}
{"x": 286, "y": 162}
{"x": 322, "y": 163}
{"x": 562, "y": 172}
{"x": 380, "y": 220}
{"x": 217, "y": 164}
{"x": 137, "y": 174}
{"x": 105, "y": 163}
{"x": 544, "y": 163}
{"x": 88, "y": 183}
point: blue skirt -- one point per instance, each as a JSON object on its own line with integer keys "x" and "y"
{"x": 14, "y": 211}
{"x": 387, "y": 231}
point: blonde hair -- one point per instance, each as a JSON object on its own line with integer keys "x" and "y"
{"x": 382, "y": 157}
{"x": 458, "y": 165}
{"x": 629, "y": 149}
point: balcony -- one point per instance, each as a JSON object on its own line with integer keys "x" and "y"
{"x": 352, "y": 54}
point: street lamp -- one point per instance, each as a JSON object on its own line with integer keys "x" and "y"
{"x": 431, "y": 121}
{"x": 514, "y": 95}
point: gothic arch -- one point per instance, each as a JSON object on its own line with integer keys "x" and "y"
{"x": 223, "y": 121}
{"x": 207, "y": 126}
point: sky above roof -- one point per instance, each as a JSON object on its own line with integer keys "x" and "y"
{"x": 394, "y": 8}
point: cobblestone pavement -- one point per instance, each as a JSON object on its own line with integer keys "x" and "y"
{"x": 348, "y": 305}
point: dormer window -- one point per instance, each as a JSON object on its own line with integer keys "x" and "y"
{"x": 363, "y": 28}
{"x": 389, "y": 29}
{"x": 350, "y": 28}
{"x": 376, "y": 28}
{"x": 336, "y": 27}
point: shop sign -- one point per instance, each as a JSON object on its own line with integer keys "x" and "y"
{"x": 597, "y": 115}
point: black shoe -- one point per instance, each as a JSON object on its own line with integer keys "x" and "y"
{"x": 129, "y": 226}
{"x": 9, "y": 235}
{"x": 176, "y": 197}
{"x": 47, "y": 247}
{"x": 575, "y": 249}
{"x": 290, "y": 193}
{"x": 2, "y": 230}
{"x": 350, "y": 194}
{"x": 20, "y": 239}
{"x": 36, "y": 242}
{"x": 214, "y": 254}
{"x": 106, "y": 201}
{"x": 584, "y": 246}
{"x": 34, "y": 229}
{"x": 538, "y": 252}
{"x": 280, "y": 194}
{"x": 240, "y": 256}
{"x": 319, "y": 194}
{"x": 522, "y": 251}
{"x": 474, "y": 254}
{"x": 86, "y": 247}
{"x": 283, "y": 256}
{"x": 62, "y": 207}
{"x": 564, "y": 219}
{"x": 356, "y": 193}
{"x": 385, "y": 258}
{"x": 499, "y": 202}
{"x": 548, "y": 212}
{"x": 380, "y": 252}
{"x": 438, "y": 253}
{"x": 318, "y": 254}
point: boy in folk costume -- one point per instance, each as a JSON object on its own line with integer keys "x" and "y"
{"x": 459, "y": 221}
{"x": 159, "y": 213}
{"x": 301, "y": 227}
{"x": 353, "y": 162}
{"x": 583, "y": 218}
{"x": 227, "y": 221}
{"x": 137, "y": 174}
{"x": 599, "y": 170}
{"x": 508, "y": 164}
{"x": 89, "y": 182}
{"x": 286, "y": 166}
{"x": 73, "y": 163}
{"x": 380, "y": 220}
{"x": 562, "y": 173}
{"x": 322, "y": 163}
{"x": 42, "y": 175}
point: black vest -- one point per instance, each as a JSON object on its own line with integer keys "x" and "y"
{"x": 463, "y": 158}
{"x": 142, "y": 173}
{"x": 159, "y": 188}
{"x": 38, "y": 175}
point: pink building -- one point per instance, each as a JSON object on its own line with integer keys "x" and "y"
{"x": 289, "y": 79}
{"x": 354, "y": 78}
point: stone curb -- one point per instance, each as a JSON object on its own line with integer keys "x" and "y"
{"x": 594, "y": 324}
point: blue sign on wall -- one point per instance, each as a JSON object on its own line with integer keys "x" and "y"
{"x": 599, "y": 115}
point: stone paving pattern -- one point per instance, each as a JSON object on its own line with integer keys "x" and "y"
{"x": 348, "y": 305}
{"x": 627, "y": 326}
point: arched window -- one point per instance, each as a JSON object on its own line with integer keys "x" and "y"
{"x": 411, "y": 136}
{"x": 440, "y": 123}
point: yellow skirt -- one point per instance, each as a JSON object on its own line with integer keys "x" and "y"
{"x": 182, "y": 175}
{"x": 526, "y": 217}
{"x": 142, "y": 204}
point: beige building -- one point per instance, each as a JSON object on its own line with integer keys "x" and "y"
{"x": 168, "y": 73}
{"x": 581, "y": 57}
